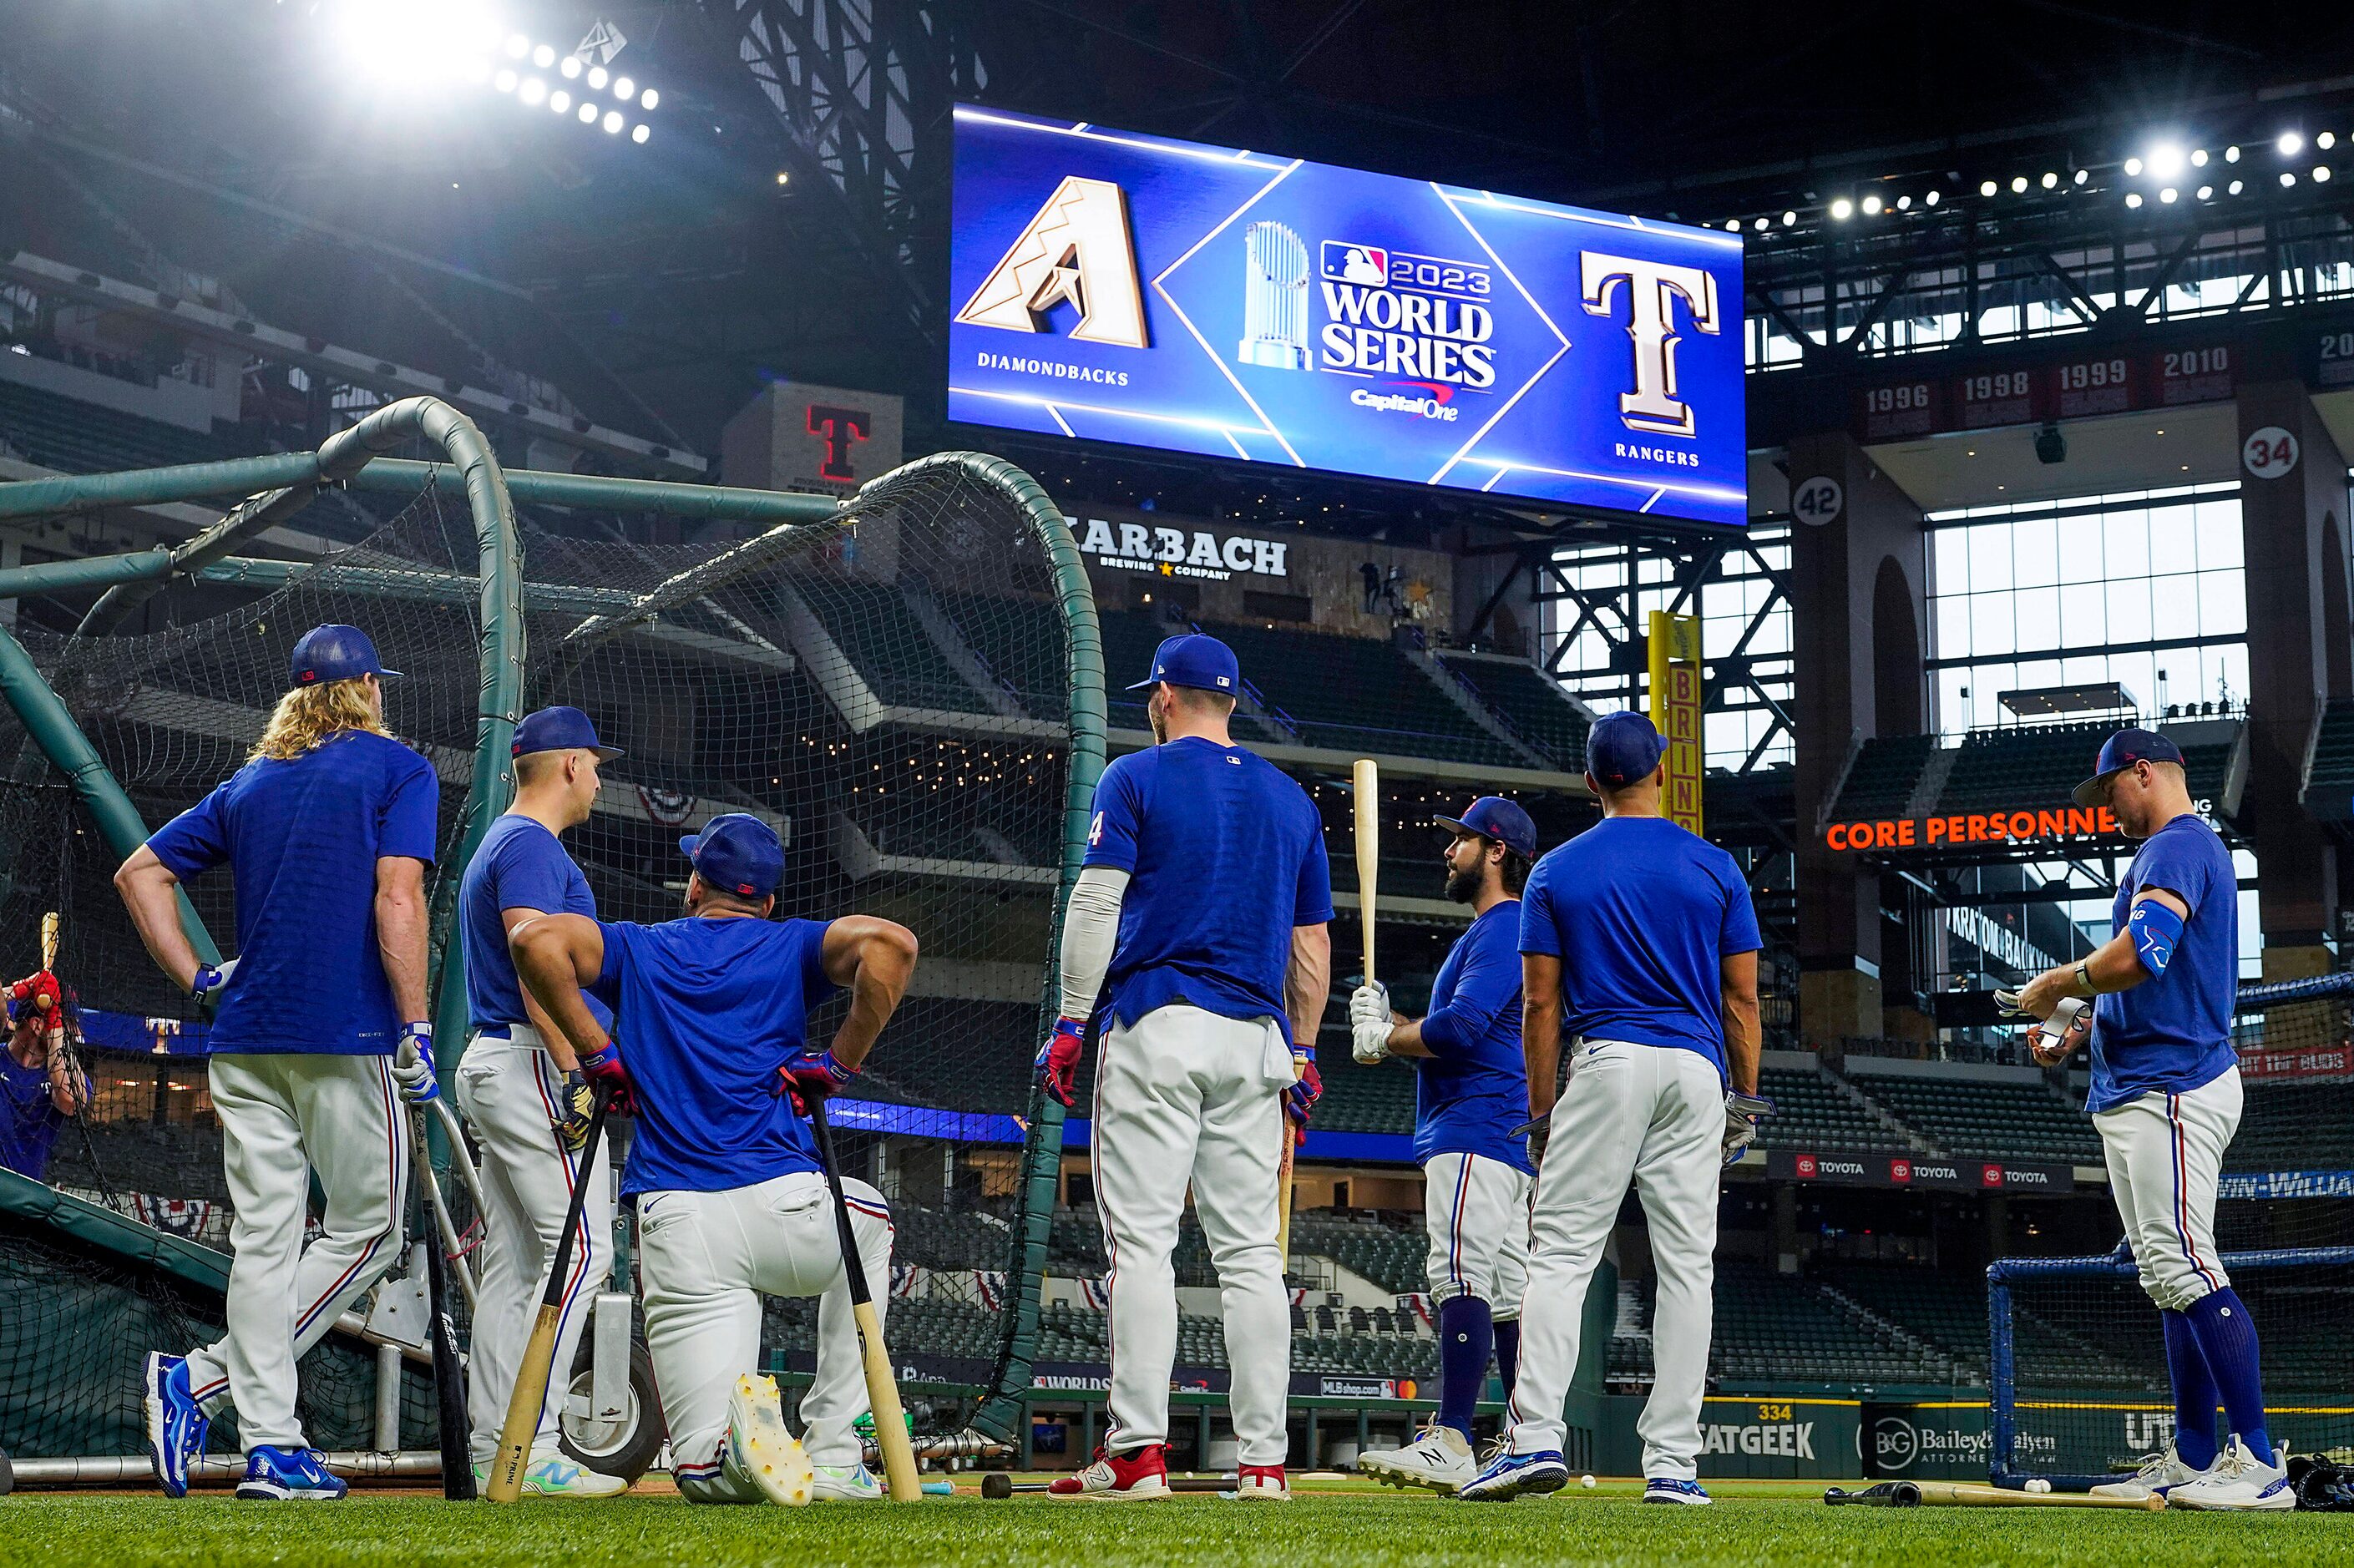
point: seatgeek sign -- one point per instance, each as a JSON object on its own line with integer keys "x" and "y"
{"x": 1115, "y": 287}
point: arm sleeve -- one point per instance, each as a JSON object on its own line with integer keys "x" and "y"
{"x": 196, "y": 840}
{"x": 1740, "y": 933}
{"x": 1090, "y": 928}
{"x": 1540, "y": 933}
{"x": 409, "y": 823}
{"x": 1488, "y": 985}
{"x": 1312, "y": 899}
{"x": 1118, "y": 819}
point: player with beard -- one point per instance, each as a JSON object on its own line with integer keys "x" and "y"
{"x": 1473, "y": 1096}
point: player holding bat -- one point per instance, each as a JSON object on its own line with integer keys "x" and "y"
{"x": 709, "y": 1044}
{"x": 2166, "y": 1099}
{"x": 1201, "y": 917}
{"x": 327, "y": 828}
{"x": 1471, "y": 1100}
{"x": 40, "y": 1084}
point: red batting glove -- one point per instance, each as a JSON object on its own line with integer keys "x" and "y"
{"x": 605, "y": 1073}
{"x": 1299, "y": 1100}
{"x": 39, "y": 992}
{"x": 812, "y": 1076}
{"x": 1056, "y": 1070}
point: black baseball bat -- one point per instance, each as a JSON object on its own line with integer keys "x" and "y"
{"x": 998, "y": 1484}
{"x": 449, "y": 1368}
{"x": 1886, "y": 1494}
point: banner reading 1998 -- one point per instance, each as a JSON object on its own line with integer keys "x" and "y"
{"x": 1127, "y": 288}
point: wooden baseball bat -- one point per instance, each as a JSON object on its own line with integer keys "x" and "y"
{"x": 881, "y": 1385}
{"x": 539, "y": 1351}
{"x": 1368, "y": 780}
{"x": 449, "y": 1366}
{"x": 1972, "y": 1494}
{"x": 52, "y": 927}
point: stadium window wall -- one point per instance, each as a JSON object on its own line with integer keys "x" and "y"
{"x": 1597, "y": 608}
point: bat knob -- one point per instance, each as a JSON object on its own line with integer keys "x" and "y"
{"x": 997, "y": 1484}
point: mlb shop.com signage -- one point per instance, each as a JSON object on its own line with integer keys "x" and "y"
{"x": 1111, "y": 286}
{"x": 1970, "y": 827}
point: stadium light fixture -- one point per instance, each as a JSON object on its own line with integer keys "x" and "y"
{"x": 2133, "y": 198}
{"x": 409, "y": 43}
{"x": 2166, "y": 159}
{"x": 2018, "y": 185}
{"x": 531, "y": 91}
{"x": 1731, "y": 225}
{"x": 650, "y": 98}
{"x": 1789, "y": 220}
{"x": 2198, "y": 158}
{"x": 1903, "y": 201}
{"x": 2050, "y": 179}
{"x": 560, "y": 100}
{"x": 624, "y": 88}
{"x": 587, "y": 114}
{"x": 2166, "y": 194}
{"x": 612, "y": 122}
{"x": 1843, "y": 209}
{"x": 1871, "y": 207}
{"x": 2288, "y": 178}
{"x": 1759, "y": 226}
{"x": 639, "y": 135}
{"x": 542, "y": 57}
{"x": 598, "y": 77}
{"x": 571, "y": 68}
{"x": 2231, "y": 154}
{"x": 1930, "y": 200}
{"x": 1985, "y": 188}
{"x": 2290, "y": 144}
{"x": 2326, "y": 141}
{"x": 2235, "y": 187}
{"x": 2081, "y": 176}
{"x": 2206, "y": 191}
{"x": 2320, "y": 173}
{"x": 505, "y": 81}
{"x": 518, "y": 46}
{"x": 2133, "y": 167}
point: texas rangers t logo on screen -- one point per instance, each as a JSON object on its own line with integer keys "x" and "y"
{"x": 1077, "y": 250}
{"x": 1653, "y": 289}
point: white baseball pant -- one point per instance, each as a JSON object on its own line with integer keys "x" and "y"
{"x": 1186, "y": 1093}
{"x": 1477, "y": 1211}
{"x": 282, "y": 1118}
{"x": 2164, "y": 1153}
{"x": 1655, "y": 1115}
{"x": 512, "y": 1094}
{"x": 707, "y": 1259}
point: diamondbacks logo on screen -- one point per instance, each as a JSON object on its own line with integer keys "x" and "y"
{"x": 1236, "y": 304}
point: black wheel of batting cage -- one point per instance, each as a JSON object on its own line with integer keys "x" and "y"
{"x": 625, "y": 1447}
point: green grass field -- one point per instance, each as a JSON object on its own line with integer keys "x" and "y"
{"x": 1750, "y": 1525}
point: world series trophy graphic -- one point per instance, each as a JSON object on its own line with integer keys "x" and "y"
{"x": 1275, "y": 298}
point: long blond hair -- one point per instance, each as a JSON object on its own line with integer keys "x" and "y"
{"x": 308, "y": 716}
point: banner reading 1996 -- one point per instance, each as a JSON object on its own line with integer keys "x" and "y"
{"x": 1126, "y": 287}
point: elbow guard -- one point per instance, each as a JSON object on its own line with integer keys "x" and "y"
{"x": 2155, "y": 931}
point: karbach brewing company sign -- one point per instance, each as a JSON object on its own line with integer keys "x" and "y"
{"x": 1124, "y": 288}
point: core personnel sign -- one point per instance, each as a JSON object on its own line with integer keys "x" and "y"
{"x": 1127, "y": 288}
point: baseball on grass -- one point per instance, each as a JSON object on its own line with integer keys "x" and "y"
{"x": 1585, "y": 1481}
{"x": 2039, "y": 1485}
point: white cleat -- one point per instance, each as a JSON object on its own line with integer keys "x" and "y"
{"x": 761, "y": 1453}
{"x": 854, "y": 1484}
{"x": 2159, "y": 1474}
{"x": 1439, "y": 1458}
{"x": 2237, "y": 1483}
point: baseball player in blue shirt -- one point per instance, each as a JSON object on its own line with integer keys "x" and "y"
{"x": 526, "y": 1098}
{"x": 327, "y": 830}
{"x": 709, "y": 1042}
{"x": 1200, "y": 919}
{"x": 2166, "y": 1098}
{"x": 40, "y": 1087}
{"x": 1471, "y": 1100}
{"x": 1639, "y": 941}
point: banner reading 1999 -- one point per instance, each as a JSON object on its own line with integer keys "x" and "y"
{"x": 1127, "y": 288}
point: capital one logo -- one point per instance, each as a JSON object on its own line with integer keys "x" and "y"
{"x": 1076, "y": 251}
{"x": 1652, "y": 289}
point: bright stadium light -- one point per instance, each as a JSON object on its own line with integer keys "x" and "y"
{"x": 598, "y": 76}
{"x": 518, "y": 46}
{"x": 1760, "y": 226}
{"x": 505, "y": 81}
{"x": 612, "y": 122}
{"x": 1985, "y": 188}
{"x": 649, "y": 98}
{"x": 624, "y": 88}
{"x": 2050, "y": 179}
{"x": 1731, "y": 225}
{"x": 531, "y": 91}
{"x": 2321, "y": 172}
{"x": 1789, "y": 220}
{"x": 560, "y": 100}
{"x": 2133, "y": 167}
{"x": 1843, "y": 209}
{"x": 2133, "y": 198}
{"x": 1871, "y": 207}
{"x": 588, "y": 114}
{"x": 2326, "y": 141}
{"x": 2206, "y": 191}
{"x": 2231, "y": 154}
{"x": 415, "y": 43}
{"x": 2198, "y": 158}
{"x": 2166, "y": 159}
{"x": 2290, "y": 144}
{"x": 639, "y": 135}
{"x": 2018, "y": 185}
{"x": 1903, "y": 201}
{"x": 542, "y": 57}
{"x": 571, "y": 68}
{"x": 2235, "y": 187}
{"x": 2288, "y": 178}
{"x": 1931, "y": 199}
{"x": 2166, "y": 194}
{"x": 2081, "y": 176}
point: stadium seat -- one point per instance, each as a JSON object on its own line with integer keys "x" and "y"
{"x": 1531, "y": 703}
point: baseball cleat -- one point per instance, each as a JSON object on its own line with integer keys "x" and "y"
{"x": 1511, "y": 1475}
{"x": 283, "y": 1475}
{"x": 1262, "y": 1483}
{"x": 854, "y": 1483}
{"x": 176, "y": 1424}
{"x": 2158, "y": 1475}
{"x": 1439, "y": 1458}
{"x": 2237, "y": 1482}
{"x": 1119, "y": 1478}
{"x": 555, "y": 1476}
{"x": 1668, "y": 1489}
{"x": 761, "y": 1452}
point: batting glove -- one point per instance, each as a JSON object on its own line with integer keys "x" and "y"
{"x": 575, "y": 1102}
{"x": 1369, "y": 1001}
{"x": 603, "y": 1069}
{"x": 33, "y": 994}
{"x": 1741, "y": 1114}
{"x": 412, "y": 1066}
{"x": 1299, "y": 1100}
{"x": 812, "y": 1076}
{"x": 1056, "y": 1070}
{"x": 212, "y": 980}
{"x": 1369, "y": 1040}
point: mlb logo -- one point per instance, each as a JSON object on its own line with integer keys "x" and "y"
{"x": 1806, "y": 1167}
{"x": 1347, "y": 263}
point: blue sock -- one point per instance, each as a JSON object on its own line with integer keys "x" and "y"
{"x": 2194, "y": 1393}
{"x": 2227, "y": 1338}
{"x": 1466, "y": 1338}
{"x": 1508, "y": 1352}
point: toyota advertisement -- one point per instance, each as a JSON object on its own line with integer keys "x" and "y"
{"x": 1114, "y": 287}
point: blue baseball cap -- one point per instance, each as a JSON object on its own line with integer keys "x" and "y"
{"x": 2120, "y": 752}
{"x": 560, "y": 729}
{"x": 1493, "y": 817}
{"x": 1623, "y": 748}
{"x": 737, "y": 854}
{"x": 334, "y": 653}
{"x": 1194, "y": 659}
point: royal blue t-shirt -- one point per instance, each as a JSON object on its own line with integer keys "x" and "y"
{"x": 1226, "y": 857}
{"x": 1640, "y": 912}
{"x": 519, "y": 865}
{"x": 1474, "y": 1086}
{"x": 302, "y": 839}
{"x": 2173, "y": 1032}
{"x": 30, "y": 1119}
{"x": 706, "y": 1011}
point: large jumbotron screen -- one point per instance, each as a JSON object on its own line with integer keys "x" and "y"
{"x": 1117, "y": 287}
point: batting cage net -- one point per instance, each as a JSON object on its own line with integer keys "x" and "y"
{"x": 2079, "y": 1389}
{"x": 890, "y": 689}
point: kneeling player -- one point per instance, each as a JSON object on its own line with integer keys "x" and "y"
{"x": 711, "y": 1013}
